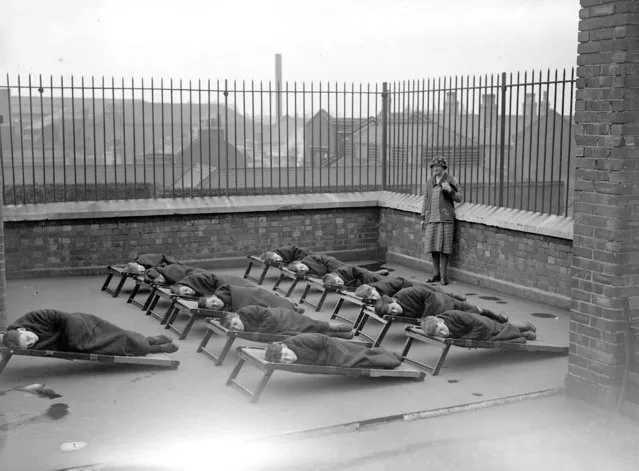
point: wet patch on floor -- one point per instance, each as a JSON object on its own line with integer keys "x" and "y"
{"x": 452, "y": 381}
{"x": 544, "y": 315}
{"x": 478, "y": 394}
{"x": 470, "y": 294}
{"x": 490, "y": 298}
{"x": 501, "y": 302}
{"x": 57, "y": 411}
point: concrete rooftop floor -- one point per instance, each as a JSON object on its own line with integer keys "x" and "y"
{"x": 128, "y": 413}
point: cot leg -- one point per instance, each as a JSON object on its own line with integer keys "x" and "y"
{"x": 149, "y": 298}
{"x": 134, "y": 292}
{"x": 172, "y": 317}
{"x": 305, "y": 293}
{"x": 155, "y": 298}
{"x": 321, "y": 300}
{"x": 225, "y": 350}
{"x": 167, "y": 314}
{"x": 382, "y": 334}
{"x": 292, "y": 287}
{"x": 187, "y": 329}
{"x": 262, "y": 385}
{"x": 278, "y": 282}
{"x": 440, "y": 362}
{"x": 407, "y": 345}
{"x": 248, "y": 270}
{"x": 263, "y": 275}
{"x": 119, "y": 287}
{"x": 205, "y": 340}
{"x": 6, "y": 356}
{"x": 360, "y": 317}
{"x": 107, "y": 281}
{"x": 235, "y": 372}
{"x": 338, "y": 306}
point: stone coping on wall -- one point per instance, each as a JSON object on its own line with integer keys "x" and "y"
{"x": 513, "y": 219}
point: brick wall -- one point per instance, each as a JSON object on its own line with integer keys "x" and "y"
{"x": 528, "y": 260}
{"x": 86, "y": 243}
{"x": 606, "y": 218}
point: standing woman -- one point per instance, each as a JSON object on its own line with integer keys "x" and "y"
{"x": 438, "y": 213}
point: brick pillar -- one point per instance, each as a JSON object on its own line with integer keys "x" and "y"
{"x": 605, "y": 265}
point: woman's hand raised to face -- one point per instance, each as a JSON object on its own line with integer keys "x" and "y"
{"x": 446, "y": 186}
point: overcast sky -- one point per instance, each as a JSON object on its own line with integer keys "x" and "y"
{"x": 336, "y": 40}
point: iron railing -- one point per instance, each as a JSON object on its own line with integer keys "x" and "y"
{"x": 507, "y": 139}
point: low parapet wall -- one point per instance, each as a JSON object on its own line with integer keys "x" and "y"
{"x": 525, "y": 253}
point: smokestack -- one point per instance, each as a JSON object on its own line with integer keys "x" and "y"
{"x": 450, "y": 103}
{"x": 278, "y": 84}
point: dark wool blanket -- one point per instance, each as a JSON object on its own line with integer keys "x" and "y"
{"x": 291, "y": 254}
{"x": 150, "y": 260}
{"x": 419, "y": 301}
{"x": 320, "y": 265}
{"x": 206, "y": 283}
{"x": 79, "y": 332}
{"x": 468, "y": 325}
{"x": 269, "y": 320}
{"x": 356, "y": 276}
{"x": 321, "y": 350}
{"x": 237, "y": 297}
{"x": 172, "y": 273}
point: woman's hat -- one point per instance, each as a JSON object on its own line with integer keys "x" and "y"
{"x": 439, "y": 160}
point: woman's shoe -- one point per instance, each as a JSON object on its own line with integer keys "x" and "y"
{"x": 444, "y": 281}
{"x": 434, "y": 279}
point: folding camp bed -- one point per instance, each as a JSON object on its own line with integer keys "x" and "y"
{"x": 144, "y": 285}
{"x": 214, "y": 327}
{"x": 349, "y": 296}
{"x": 188, "y": 307}
{"x": 122, "y": 273}
{"x": 255, "y": 260}
{"x": 149, "y": 360}
{"x": 161, "y": 292}
{"x": 255, "y": 356}
{"x": 416, "y": 333}
{"x": 368, "y": 313}
{"x": 295, "y": 278}
{"x": 324, "y": 290}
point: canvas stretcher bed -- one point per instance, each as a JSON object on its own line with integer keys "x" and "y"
{"x": 113, "y": 271}
{"x": 255, "y": 357}
{"x": 158, "y": 360}
{"x": 163, "y": 292}
{"x": 255, "y": 260}
{"x": 416, "y": 333}
{"x": 189, "y": 308}
{"x": 141, "y": 286}
{"x": 214, "y": 327}
{"x": 368, "y": 314}
{"x": 324, "y": 290}
{"x": 349, "y": 296}
{"x": 295, "y": 278}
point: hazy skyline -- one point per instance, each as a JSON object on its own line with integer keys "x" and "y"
{"x": 352, "y": 41}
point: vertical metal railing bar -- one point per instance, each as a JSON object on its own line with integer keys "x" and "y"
{"x": 423, "y": 142}
{"x": 378, "y": 155}
{"x": 270, "y": 135}
{"x": 123, "y": 141}
{"x": 445, "y": 127}
{"x": 414, "y": 140}
{"x": 552, "y": 155}
{"x": 44, "y": 161}
{"x": 33, "y": 172}
{"x": 84, "y": 140}
{"x": 491, "y": 117}
{"x": 143, "y": 132}
{"x": 278, "y": 108}
{"x": 104, "y": 146}
{"x": 502, "y": 137}
{"x": 320, "y": 168}
{"x": 199, "y": 133}
{"x": 181, "y": 90}
{"x": 384, "y": 133}
{"x": 53, "y": 138}
{"x": 523, "y": 143}
{"x": 427, "y": 135}
{"x": 235, "y": 123}
{"x": 172, "y": 135}
{"x": 437, "y": 117}
{"x": 133, "y": 122}
{"x": 543, "y": 173}
{"x": 343, "y": 140}
{"x": 509, "y": 137}
{"x": 530, "y": 140}
{"x": 226, "y": 135}
{"x": 465, "y": 105}
{"x": 115, "y": 158}
{"x": 208, "y": 127}
{"x": 163, "y": 125}
{"x": 368, "y": 136}
{"x": 403, "y": 144}
{"x": 253, "y": 135}
{"x": 328, "y": 131}
{"x": 246, "y": 189}
{"x": 538, "y": 139}
{"x": 288, "y": 157}
{"x": 262, "y": 136}
{"x": 455, "y": 153}
{"x": 295, "y": 136}
{"x": 476, "y": 118}
{"x": 394, "y": 122}
{"x": 561, "y": 135}
{"x": 11, "y": 144}
{"x": 572, "y": 85}
{"x": 191, "y": 137}
{"x": 482, "y": 112}
{"x": 304, "y": 146}
{"x": 362, "y": 122}
{"x": 24, "y": 183}
{"x": 218, "y": 120}
{"x": 155, "y": 185}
